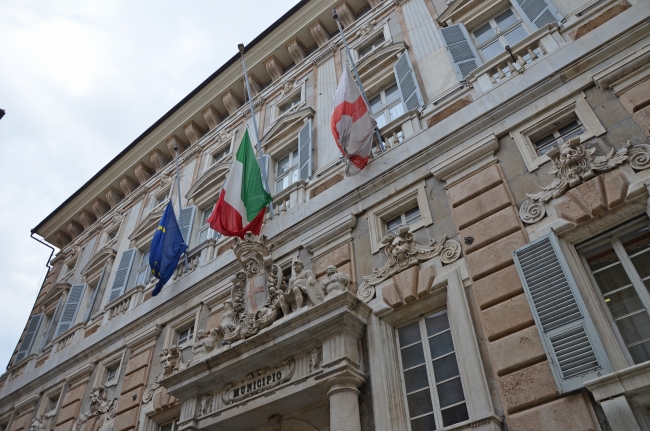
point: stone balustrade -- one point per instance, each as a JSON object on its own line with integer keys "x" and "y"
{"x": 124, "y": 303}
{"x": 399, "y": 130}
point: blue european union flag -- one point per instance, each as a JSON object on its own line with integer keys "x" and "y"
{"x": 167, "y": 247}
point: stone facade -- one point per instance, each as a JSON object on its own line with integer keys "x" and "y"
{"x": 459, "y": 282}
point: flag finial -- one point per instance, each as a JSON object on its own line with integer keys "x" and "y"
{"x": 241, "y": 48}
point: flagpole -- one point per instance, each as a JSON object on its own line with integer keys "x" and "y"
{"x": 257, "y": 137}
{"x": 180, "y": 202}
{"x": 356, "y": 73}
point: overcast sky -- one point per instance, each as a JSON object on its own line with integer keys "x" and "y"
{"x": 80, "y": 80}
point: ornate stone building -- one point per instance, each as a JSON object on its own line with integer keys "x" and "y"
{"x": 488, "y": 271}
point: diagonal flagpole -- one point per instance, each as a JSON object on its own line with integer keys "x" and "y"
{"x": 180, "y": 202}
{"x": 265, "y": 175}
{"x": 356, "y": 73}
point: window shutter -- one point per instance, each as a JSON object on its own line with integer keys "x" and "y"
{"x": 50, "y": 326}
{"x": 569, "y": 336}
{"x": 461, "y": 50}
{"x": 93, "y": 298}
{"x": 304, "y": 151}
{"x": 30, "y": 335}
{"x": 408, "y": 85}
{"x": 70, "y": 309}
{"x": 185, "y": 221}
{"x": 538, "y": 12}
{"x": 122, "y": 274}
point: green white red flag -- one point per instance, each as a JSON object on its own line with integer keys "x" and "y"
{"x": 243, "y": 199}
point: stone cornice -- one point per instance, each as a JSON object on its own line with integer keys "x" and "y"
{"x": 26, "y": 403}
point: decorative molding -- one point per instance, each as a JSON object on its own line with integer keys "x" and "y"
{"x": 99, "y": 405}
{"x": 26, "y": 403}
{"x": 296, "y": 50}
{"x": 259, "y": 381}
{"x": 175, "y": 141}
{"x": 172, "y": 363}
{"x": 193, "y": 131}
{"x": 274, "y": 68}
{"x": 141, "y": 339}
{"x": 87, "y": 219}
{"x": 231, "y": 101}
{"x": 324, "y": 54}
{"x": 212, "y": 117}
{"x": 319, "y": 33}
{"x": 100, "y": 207}
{"x": 74, "y": 229}
{"x": 62, "y": 239}
{"x": 345, "y": 13}
{"x": 113, "y": 197}
{"x": 158, "y": 159}
{"x": 79, "y": 374}
{"x": 143, "y": 172}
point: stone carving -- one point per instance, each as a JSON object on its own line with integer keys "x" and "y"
{"x": 315, "y": 359}
{"x": 99, "y": 405}
{"x": 205, "y": 343}
{"x": 259, "y": 381}
{"x": 366, "y": 28}
{"x": 288, "y": 85}
{"x": 205, "y": 405}
{"x": 302, "y": 286}
{"x": 402, "y": 252}
{"x": 573, "y": 164}
{"x": 172, "y": 363}
{"x": 336, "y": 282}
{"x": 38, "y": 424}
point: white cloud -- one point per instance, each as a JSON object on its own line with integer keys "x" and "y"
{"x": 80, "y": 80}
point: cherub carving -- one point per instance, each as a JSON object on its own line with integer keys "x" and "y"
{"x": 302, "y": 286}
{"x": 205, "y": 343}
{"x": 336, "y": 282}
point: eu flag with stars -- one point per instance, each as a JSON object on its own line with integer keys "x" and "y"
{"x": 167, "y": 247}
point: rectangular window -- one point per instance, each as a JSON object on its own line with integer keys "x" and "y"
{"x": 186, "y": 335}
{"x": 171, "y": 426}
{"x": 387, "y": 105}
{"x": 431, "y": 378}
{"x": 404, "y": 219}
{"x": 52, "y": 402}
{"x": 620, "y": 266}
{"x": 144, "y": 272}
{"x": 290, "y": 104}
{"x": 206, "y": 233}
{"x": 217, "y": 157}
{"x": 367, "y": 49}
{"x": 286, "y": 171}
{"x": 546, "y": 139}
{"x": 505, "y": 29}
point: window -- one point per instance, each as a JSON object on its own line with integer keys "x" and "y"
{"x": 111, "y": 373}
{"x": 367, "y": 49}
{"x": 206, "y": 232}
{"x": 144, "y": 272}
{"x": 290, "y": 104}
{"x": 171, "y": 426}
{"x": 156, "y": 200}
{"x": 620, "y": 267}
{"x": 506, "y": 29}
{"x": 110, "y": 236}
{"x": 52, "y": 402}
{"x": 186, "y": 335}
{"x": 387, "y": 105}
{"x": 286, "y": 171}
{"x": 430, "y": 375}
{"x": 544, "y": 140}
{"x": 404, "y": 219}
{"x": 217, "y": 157}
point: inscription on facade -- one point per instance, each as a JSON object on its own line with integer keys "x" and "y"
{"x": 259, "y": 381}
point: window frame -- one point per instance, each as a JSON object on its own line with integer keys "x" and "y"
{"x": 143, "y": 259}
{"x": 294, "y": 168}
{"x": 498, "y": 34}
{"x": 114, "y": 361}
{"x": 386, "y": 108}
{"x": 180, "y": 324}
{"x": 205, "y": 226}
{"x": 298, "y": 91}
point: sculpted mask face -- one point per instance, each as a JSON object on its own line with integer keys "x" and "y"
{"x": 298, "y": 266}
{"x": 331, "y": 270}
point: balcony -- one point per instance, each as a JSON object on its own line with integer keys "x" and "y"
{"x": 124, "y": 303}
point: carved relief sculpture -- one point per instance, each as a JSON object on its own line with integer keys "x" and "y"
{"x": 302, "y": 287}
{"x": 205, "y": 343}
{"x": 315, "y": 358}
{"x": 573, "y": 164}
{"x": 172, "y": 363}
{"x": 336, "y": 282}
{"x": 259, "y": 381}
{"x": 38, "y": 424}
{"x": 99, "y": 405}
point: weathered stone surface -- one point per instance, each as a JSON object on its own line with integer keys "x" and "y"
{"x": 636, "y": 97}
{"x": 142, "y": 359}
{"x": 482, "y": 206}
{"x": 65, "y": 426}
{"x": 94, "y": 423}
{"x": 129, "y": 400}
{"x": 90, "y": 331}
{"x": 391, "y": 297}
{"x": 615, "y": 185}
{"x": 600, "y": 19}
{"x": 214, "y": 320}
{"x": 162, "y": 399}
{"x": 41, "y": 361}
{"x": 529, "y": 386}
{"x": 507, "y": 317}
{"x": 326, "y": 185}
{"x": 474, "y": 185}
{"x": 425, "y": 280}
{"x": 568, "y": 413}
{"x": 407, "y": 283}
{"x": 337, "y": 257}
{"x": 516, "y": 350}
{"x": 570, "y": 210}
{"x": 126, "y": 421}
{"x": 68, "y": 413}
{"x": 642, "y": 118}
{"x": 495, "y": 256}
{"x": 136, "y": 379}
{"x": 20, "y": 422}
{"x": 591, "y": 196}
{"x": 449, "y": 110}
{"x": 490, "y": 229}
{"x": 498, "y": 287}
{"x": 73, "y": 394}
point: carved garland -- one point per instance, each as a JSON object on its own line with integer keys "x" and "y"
{"x": 98, "y": 405}
{"x": 573, "y": 164}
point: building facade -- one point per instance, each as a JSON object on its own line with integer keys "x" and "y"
{"x": 488, "y": 271}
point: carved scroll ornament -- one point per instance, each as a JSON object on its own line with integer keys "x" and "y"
{"x": 573, "y": 164}
{"x": 99, "y": 405}
{"x": 172, "y": 363}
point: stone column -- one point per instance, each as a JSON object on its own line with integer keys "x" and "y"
{"x": 344, "y": 403}
{"x": 619, "y": 414}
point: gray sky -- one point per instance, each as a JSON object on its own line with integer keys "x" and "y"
{"x": 80, "y": 81}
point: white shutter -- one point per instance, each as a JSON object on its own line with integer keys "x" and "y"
{"x": 570, "y": 339}
{"x": 122, "y": 274}
{"x": 461, "y": 50}
{"x": 408, "y": 85}
{"x": 185, "y": 221}
{"x": 538, "y": 12}
{"x": 50, "y": 326}
{"x": 304, "y": 151}
{"x": 30, "y": 335}
{"x": 70, "y": 309}
{"x": 93, "y": 298}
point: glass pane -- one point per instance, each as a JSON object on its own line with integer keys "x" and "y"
{"x": 454, "y": 415}
{"x": 395, "y": 111}
{"x": 206, "y": 216}
{"x": 375, "y": 104}
{"x": 203, "y": 235}
{"x": 394, "y": 223}
{"x": 294, "y": 158}
{"x": 167, "y": 427}
{"x": 492, "y": 50}
{"x": 612, "y": 278}
{"x": 483, "y": 33}
{"x": 426, "y": 423}
{"x": 416, "y": 379}
{"x": 515, "y": 35}
{"x": 640, "y": 352}
{"x": 141, "y": 279}
{"x": 601, "y": 257}
{"x": 450, "y": 392}
{"x": 412, "y": 215}
{"x": 294, "y": 175}
{"x": 634, "y": 328}
{"x": 577, "y": 132}
{"x": 505, "y": 20}
{"x": 419, "y": 403}
{"x": 381, "y": 120}
{"x": 412, "y": 356}
{"x": 441, "y": 344}
{"x": 283, "y": 166}
{"x": 437, "y": 322}
{"x": 445, "y": 368}
{"x": 568, "y": 128}
{"x": 392, "y": 94}
{"x": 623, "y": 302}
{"x": 636, "y": 241}
{"x": 409, "y": 334}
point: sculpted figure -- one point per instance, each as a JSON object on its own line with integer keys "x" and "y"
{"x": 37, "y": 425}
{"x": 302, "y": 286}
{"x": 205, "y": 342}
{"x": 336, "y": 282}
{"x": 228, "y": 319}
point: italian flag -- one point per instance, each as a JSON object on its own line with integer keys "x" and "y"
{"x": 243, "y": 200}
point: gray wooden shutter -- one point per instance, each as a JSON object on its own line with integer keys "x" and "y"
{"x": 122, "y": 274}
{"x": 460, "y": 49}
{"x": 538, "y": 12}
{"x": 70, "y": 309}
{"x": 30, "y": 335}
{"x": 304, "y": 151}
{"x": 50, "y": 326}
{"x": 185, "y": 221}
{"x": 408, "y": 85}
{"x": 93, "y": 298}
{"x": 570, "y": 339}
